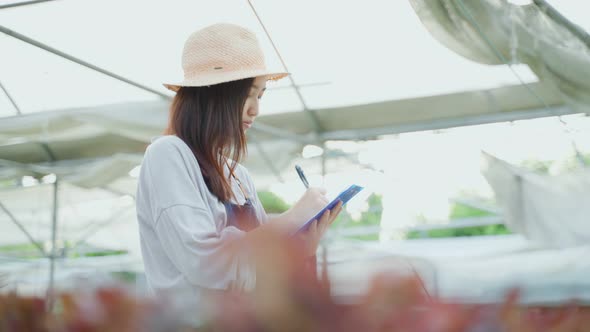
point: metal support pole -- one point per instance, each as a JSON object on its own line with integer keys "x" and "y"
{"x": 324, "y": 160}
{"x": 267, "y": 160}
{"x": 53, "y": 255}
{"x": 48, "y": 151}
{"x": 312, "y": 114}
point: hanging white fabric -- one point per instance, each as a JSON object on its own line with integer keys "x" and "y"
{"x": 552, "y": 211}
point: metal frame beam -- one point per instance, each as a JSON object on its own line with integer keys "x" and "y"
{"x": 23, "y": 3}
{"x": 280, "y": 132}
{"x": 18, "y": 112}
{"x": 371, "y": 133}
{"x": 23, "y": 229}
{"x": 96, "y": 226}
{"x": 319, "y": 128}
{"x": 80, "y": 62}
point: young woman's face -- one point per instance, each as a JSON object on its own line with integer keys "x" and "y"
{"x": 250, "y": 111}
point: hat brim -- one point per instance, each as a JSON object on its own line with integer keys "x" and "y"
{"x": 218, "y": 78}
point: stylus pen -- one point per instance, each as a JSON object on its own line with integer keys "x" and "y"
{"x": 302, "y": 176}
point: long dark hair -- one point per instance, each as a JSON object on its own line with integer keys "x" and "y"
{"x": 209, "y": 120}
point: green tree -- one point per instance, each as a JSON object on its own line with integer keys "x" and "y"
{"x": 272, "y": 203}
{"x": 370, "y": 217}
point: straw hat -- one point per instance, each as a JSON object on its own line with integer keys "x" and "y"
{"x": 222, "y": 53}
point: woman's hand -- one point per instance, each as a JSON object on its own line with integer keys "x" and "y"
{"x": 312, "y": 235}
{"x": 312, "y": 201}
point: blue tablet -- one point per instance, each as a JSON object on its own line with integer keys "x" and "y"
{"x": 344, "y": 196}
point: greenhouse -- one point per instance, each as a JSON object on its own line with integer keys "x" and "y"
{"x": 465, "y": 122}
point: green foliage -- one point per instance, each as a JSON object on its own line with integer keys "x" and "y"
{"x": 365, "y": 237}
{"x": 459, "y": 211}
{"x": 125, "y": 276}
{"x": 30, "y": 251}
{"x": 272, "y": 203}
{"x": 17, "y": 247}
{"x": 457, "y": 232}
{"x": 104, "y": 253}
{"x": 575, "y": 162}
{"x": 7, "y": 183}
{"x": 465, "y": 211}
{"x": 539, "y": 166}
{"x": 21, "y": 250}
{"x": 370, "y": 217}
{"x": 569, "y": 164}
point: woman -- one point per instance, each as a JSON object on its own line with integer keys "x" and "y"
{"x": 194, "y": 199}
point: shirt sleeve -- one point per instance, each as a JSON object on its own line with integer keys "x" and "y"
{"x": 188, "y": 233}
{"x": 204, "y": 256}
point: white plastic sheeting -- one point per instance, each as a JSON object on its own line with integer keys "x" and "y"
{"x": 79, "y": 144}
{"x": 498, "y": 32}
{"x": 552, "y": 211}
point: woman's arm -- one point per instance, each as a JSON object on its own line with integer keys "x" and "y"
{"x": 312, "y": 201}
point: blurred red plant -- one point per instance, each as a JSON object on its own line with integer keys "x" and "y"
{"x": 22, "y": 313}
{"x": 289, "y": 297}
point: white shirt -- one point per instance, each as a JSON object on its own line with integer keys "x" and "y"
{"x": 183, "y": 227}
